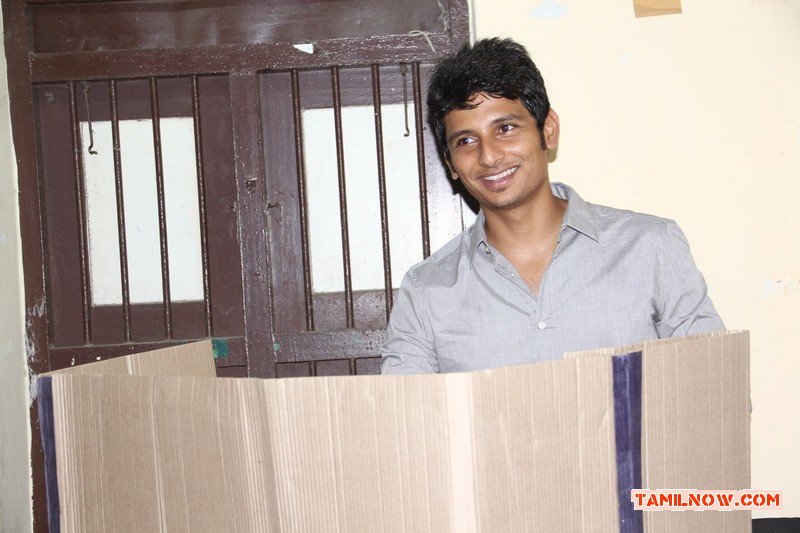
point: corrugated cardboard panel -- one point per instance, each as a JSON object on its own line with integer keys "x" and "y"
{"x": 461, "y": 429}
{"x": 146, "y": 453}
{"x": 488, "y": 451}
{"x": 696, "y": 425}
{"x": 163, "y": 453}
{"x": 638, "y": 347}
{"x": 544, "y": 447}
{"x": 87, "y": 459}
{"x": 195, "y": 359}
{"x": 361, "y": 454}
{"x": 519, "y": 448}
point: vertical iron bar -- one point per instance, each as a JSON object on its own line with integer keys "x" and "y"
{"x": 387, "y": 260}
{"x": 162, "y": 210}
{"x": 352, "y": 367}
{"x": 201, "y": 198}
{"x": 123, "y": 245}
{"x": 337, "y": 120}
{"x": 423, "y": 185}
{"x": 80, "y": 196}
{"x": 301, "y": 200}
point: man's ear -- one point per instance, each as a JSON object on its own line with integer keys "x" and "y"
{"x": 551, "y": 130}
{"x": 453, "y": 173}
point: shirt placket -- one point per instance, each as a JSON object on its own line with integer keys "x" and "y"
{"x": 504, "y": 269}
{"x": 542, "y": 299}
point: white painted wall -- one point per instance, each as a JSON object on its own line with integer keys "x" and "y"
{"x": 363, "y": 198}
{"x": 15, "y": 473}
{"x": 141, "y": 211}
{"x": 694, "y": 117}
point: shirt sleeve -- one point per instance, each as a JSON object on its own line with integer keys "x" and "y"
{"x": 408, "y": 348}
{"x": 684, "y": 307}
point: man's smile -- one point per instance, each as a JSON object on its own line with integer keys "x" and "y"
{"x": 499, "y": 180}
{"x": 500, "y": 175}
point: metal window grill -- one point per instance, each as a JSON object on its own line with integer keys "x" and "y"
{"x": 333, "y": 329}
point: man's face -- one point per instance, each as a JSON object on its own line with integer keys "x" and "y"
{"x": 496, "y": 151}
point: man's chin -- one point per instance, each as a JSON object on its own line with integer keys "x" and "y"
{"x": 500, "y": 204}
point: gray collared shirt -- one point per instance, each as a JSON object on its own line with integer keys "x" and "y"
{"x": 616, "y": 277}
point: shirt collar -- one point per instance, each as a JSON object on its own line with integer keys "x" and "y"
{"x": 477, "y": 240}
{"x": 579, "y": 216}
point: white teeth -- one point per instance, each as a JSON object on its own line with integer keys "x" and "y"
{"x": 501, "y": 175}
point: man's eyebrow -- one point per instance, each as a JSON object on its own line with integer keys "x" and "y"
{"x": 498, "y": 120}
{"x": 506, "y": 118}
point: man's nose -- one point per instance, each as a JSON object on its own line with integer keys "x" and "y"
{"x": 491, "y": 153}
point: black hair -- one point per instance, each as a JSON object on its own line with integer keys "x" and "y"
{"x": 497, "y": 67}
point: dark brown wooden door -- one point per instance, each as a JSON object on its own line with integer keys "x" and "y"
{"x": 228, "y": 86}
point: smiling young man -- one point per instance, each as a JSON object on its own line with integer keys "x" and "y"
{"x": 541, "y": 272}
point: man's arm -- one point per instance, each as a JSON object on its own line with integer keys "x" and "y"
{"x": 684, "y": 307}
{"x": 408, "y": 348}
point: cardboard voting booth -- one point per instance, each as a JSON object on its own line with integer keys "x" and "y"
{"x": 155, "y": 442}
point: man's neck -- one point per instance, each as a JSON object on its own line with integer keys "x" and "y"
{"x": 527, "y": 230}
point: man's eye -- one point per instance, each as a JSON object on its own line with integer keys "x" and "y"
{"x": 463, "y": 141}
{"x": 505, "y": 128}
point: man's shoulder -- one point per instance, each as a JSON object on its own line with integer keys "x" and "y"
{"x": 441, "y": 267}
{"x": 615, "y": 225}
{"x": 611, "y": 226}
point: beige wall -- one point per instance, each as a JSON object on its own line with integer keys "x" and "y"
{"x": 15, "y": 475}
{"x": 694, "y": 117}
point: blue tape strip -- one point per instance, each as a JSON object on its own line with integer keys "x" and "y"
{"x": 627, "y": 372}
{"x": 46, "y": 428}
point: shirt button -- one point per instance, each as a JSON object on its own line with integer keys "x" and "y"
{"x": 541, "y": 325}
